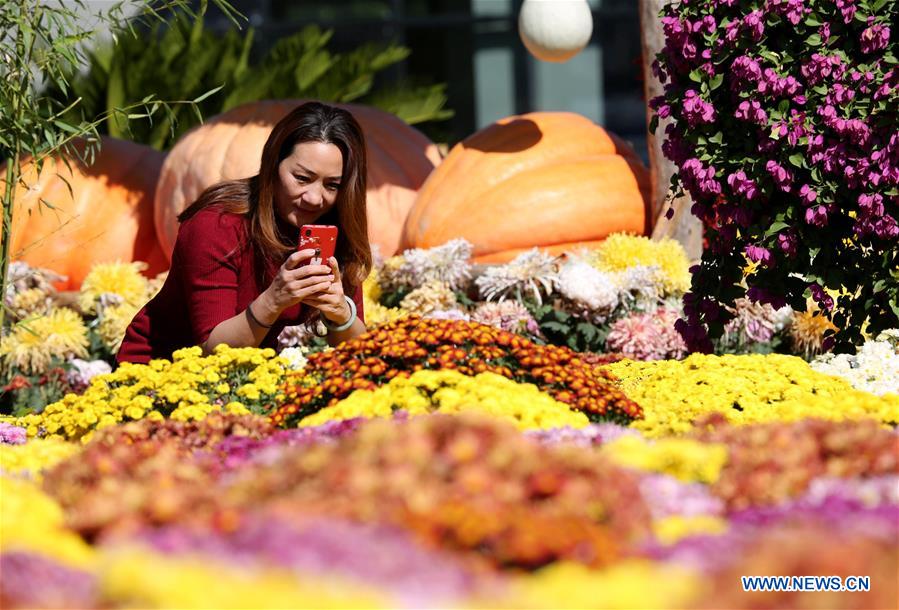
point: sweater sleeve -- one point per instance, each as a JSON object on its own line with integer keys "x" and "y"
{"x": 207, "y": 253}
{"x": 357, "y": 299}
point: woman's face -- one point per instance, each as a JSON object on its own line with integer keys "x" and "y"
{"x": 309, "y": 181}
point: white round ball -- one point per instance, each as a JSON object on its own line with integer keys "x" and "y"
{"x": 555, "y": 30}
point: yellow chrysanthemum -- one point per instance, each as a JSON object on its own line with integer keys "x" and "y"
{"x": 144, "y": 579}
{"x": 35, "y": 456}
{"x": 32, "y": 343}
{"x": 745, "y": 389}
{"x": 155, "y": 285}
{"x": 113, "y": 323}
{"x": 631, "y": 583}
{"x": 371, "y": 288}
{"x": 447, "y": 391}
{"x": 685, "y": 459}
{"x": 376, "y": 314}
{"x": 30, "y": 302}
{"x": 807, "y": 331}
{"x": 619, "y": 251}
{"x": 32, "y": 521}
{"x": 188, "y": 388}
{"x": 122, "y": 279}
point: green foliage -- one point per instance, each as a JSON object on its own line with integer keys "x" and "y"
{"x": 562, "y": 328}
{"x": 21, "y": 394}
{"x": 181, "y": 60}
{"x": 394, "y": 298}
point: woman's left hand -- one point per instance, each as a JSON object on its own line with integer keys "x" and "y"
{"x": 331, "y": 302}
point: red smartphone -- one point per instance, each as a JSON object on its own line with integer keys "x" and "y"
{"x": 323, "y": 238}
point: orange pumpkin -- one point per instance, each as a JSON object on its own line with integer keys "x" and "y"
{"x": 107, "y": 216}
{"x": 554, "y": 180}
{"x": 229, "y": 146}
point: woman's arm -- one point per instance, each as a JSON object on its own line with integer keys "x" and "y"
{"x": 335, "y": 338}
{"x": 243, "y": 330}
{"x": 293, "y": 283}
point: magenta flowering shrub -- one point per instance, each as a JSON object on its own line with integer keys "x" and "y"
{"x": 785, "y": 131}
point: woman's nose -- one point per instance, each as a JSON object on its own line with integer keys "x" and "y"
{"x": 314, "y": 195}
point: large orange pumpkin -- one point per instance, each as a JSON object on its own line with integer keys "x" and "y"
{"x": 555, "y": 180}
{"x": 107, "y": 216}
{"x": 229, "y": 146}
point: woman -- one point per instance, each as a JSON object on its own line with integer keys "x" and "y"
{"x": 236, "y": 277}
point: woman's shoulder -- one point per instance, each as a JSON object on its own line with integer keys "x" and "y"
{"x": 214, "y": 231}
{"x": 215, "y": 215}
{"x": 214, "y": 222}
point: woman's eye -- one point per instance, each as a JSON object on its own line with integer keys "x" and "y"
{"x": 301, "y": 178}
{"x": 333, "y": 187}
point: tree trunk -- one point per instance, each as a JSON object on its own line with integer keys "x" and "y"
{"x": 683, "y": 226}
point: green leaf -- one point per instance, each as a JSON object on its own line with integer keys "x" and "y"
{"x": 209, "y": 93}
{"x": 797, "y": 160}
{"x": 814, "y": 40}
{"x": 311, "y": 67}
{"x": 716, "y": 81}
{"x": 776, "y": 227}
{"x": 67, "y": 127}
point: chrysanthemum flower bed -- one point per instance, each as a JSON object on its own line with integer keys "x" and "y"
{"x": 744, "y": 389}
{"x": 190, "y": 387}
{"x": 452, "y": 460}
{"x": 450, "y": 510}
{"x": 404, "y": 346}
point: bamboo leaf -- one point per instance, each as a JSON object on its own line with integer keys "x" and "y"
{"x": 209, "y": 93}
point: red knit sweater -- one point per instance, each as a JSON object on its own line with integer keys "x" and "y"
{"x": 214, "y": 275}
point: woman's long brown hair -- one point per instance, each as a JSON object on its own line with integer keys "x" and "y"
{"x": 254, "y": 197}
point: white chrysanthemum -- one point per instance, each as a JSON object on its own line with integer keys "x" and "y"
{"x": 874, "y": 369}
{"x": 395, "y": 274}
{"x": 21, "y": 276}
{"x": 891, "y": 336}
{"x": 301, "y": 334}
{"x": 448, "y": 314}
{"x": 295, "y": 356}
{"x": 530, "y": 274}
{"x": 84, "y": 370}
{"x": 640, "y": 287}
{"x": 432, "y": 296}
{"x": 587, "y": 286}
{"x": 449, "y": 263}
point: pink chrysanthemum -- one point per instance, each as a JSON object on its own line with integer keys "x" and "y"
{"x": 647, "y": 336}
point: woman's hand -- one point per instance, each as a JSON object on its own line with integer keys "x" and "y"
{"x": 296, "y": 283}
{"x": 331, "y": 302}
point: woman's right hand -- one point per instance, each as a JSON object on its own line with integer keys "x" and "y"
{"x": 297, "y": 281}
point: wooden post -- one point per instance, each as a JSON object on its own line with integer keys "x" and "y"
{"x": 683, "y": 226}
